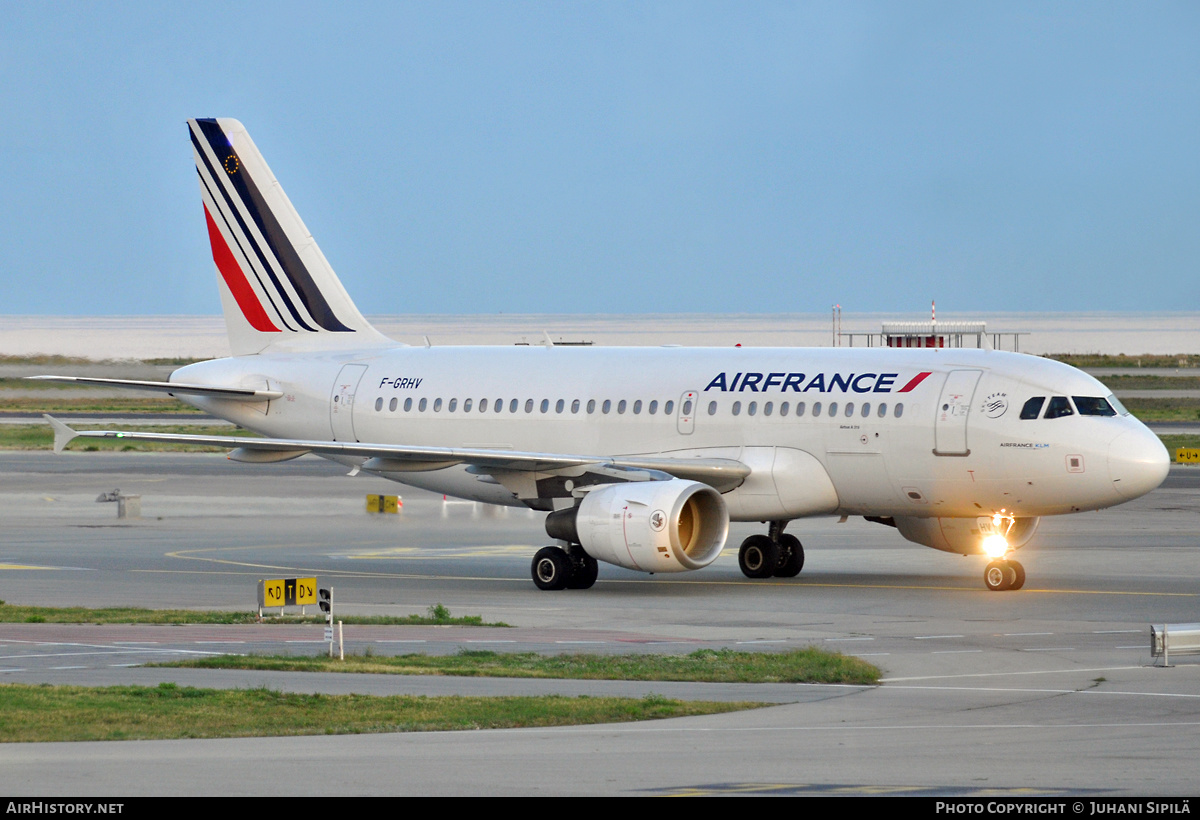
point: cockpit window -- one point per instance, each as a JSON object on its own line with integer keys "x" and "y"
{"x": 1091, "y": 406}
{"x": 1059, "y": 407}
{"x": 1116, "y": 405}
{"x": 1033, "y": 407}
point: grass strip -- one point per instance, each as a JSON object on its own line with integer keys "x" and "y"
{"x": 1121, "y": 360}
{"x": 41, "y": 714}
{"x": 1145, "y": 381}
{"x": 1173, "y": 442}
{"x": 1181, "y": 409}
{"x": 84, "y": 403}
{"x": 810, "y": 665}
{"x": 437, "y": 615}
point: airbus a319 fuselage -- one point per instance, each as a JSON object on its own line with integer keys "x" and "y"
{"x": 642, "y": 456}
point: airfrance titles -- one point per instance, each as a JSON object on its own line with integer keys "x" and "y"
{"x": 821, "y": 382}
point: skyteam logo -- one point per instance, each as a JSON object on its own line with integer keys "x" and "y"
{"x": 820, "y": 383}
{"x": 995, "y": 405}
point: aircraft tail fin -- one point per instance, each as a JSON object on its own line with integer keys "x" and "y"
{"x": 277, "y": 288}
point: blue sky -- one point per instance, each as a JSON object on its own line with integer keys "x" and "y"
{"x": 617, "y": 157}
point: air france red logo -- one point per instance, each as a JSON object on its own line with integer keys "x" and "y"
{"x": 821, "y": 382}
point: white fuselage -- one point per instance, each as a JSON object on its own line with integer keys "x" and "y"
{"x": 950, "y": 443}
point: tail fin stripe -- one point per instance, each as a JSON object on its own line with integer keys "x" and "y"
{"x": 263, "y": 292}
{"x": 231, "y": 272}
{"x": 270, "y": 229}
{"x": 245, "y": 231}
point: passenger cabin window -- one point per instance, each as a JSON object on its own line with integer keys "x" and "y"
{"x": 712, "y": 408}
{"x": 392, "y": 404}
{"x": 1033, "y": 407}
{"x": 453, "y": 405}
{"x": 1059, "y": 407}
{"x": 669, "y": 408}
{"x": 1089, "y": 406}
{"x": 378, "y": 404}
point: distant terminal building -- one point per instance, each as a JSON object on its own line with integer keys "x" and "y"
{"x": 935, "y": 335}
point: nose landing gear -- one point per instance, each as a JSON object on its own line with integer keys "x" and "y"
{"x": 1004, "y": 575}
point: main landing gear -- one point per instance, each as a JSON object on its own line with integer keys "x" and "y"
{"x": 775, "y": 554}
{"x": 1004, "y": 574}
{"x": 558, "y": 568}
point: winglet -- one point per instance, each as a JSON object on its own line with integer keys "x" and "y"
{"x": 62, "y": 433}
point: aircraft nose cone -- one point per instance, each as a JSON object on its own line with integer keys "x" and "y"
{"x": 1137, "y": 462}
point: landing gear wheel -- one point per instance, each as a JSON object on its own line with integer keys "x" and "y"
{"x": 551, "y": 568}
{"x": 791, "y": 559}
{"x": 758, "y": 557}
{"x": 1019, "y": 572}
{"x": 584, "y": 569}
{"x": 998, "y": 576}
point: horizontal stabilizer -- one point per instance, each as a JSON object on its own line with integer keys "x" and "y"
{"x": 229, "y": 393}
{"x": 62, "y": 433}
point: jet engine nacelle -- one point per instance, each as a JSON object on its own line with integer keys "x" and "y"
{"x": 964, "y": 535}
{"x": 651, "y": 526}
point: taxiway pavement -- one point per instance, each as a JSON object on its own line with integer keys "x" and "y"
{"x": 1049, "y": 689}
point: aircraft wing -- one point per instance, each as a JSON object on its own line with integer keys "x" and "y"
{"x": 720, "y": 473}
{"x": 230, "y": 393}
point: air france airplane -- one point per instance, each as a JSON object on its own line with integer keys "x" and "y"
{"x": 641, "y": 457}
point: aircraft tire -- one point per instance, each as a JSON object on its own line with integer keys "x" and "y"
{"x": 551, "y": 568}
{"x": 998, "y": 576}
{"x": 791, "y": 558}
{"x": 1019, "y": 575}
{"x": 758, "y": 557}
{"x": 584, "y": 572}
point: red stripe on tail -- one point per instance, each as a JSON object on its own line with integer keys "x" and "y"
{"x": 231, "y": 272}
